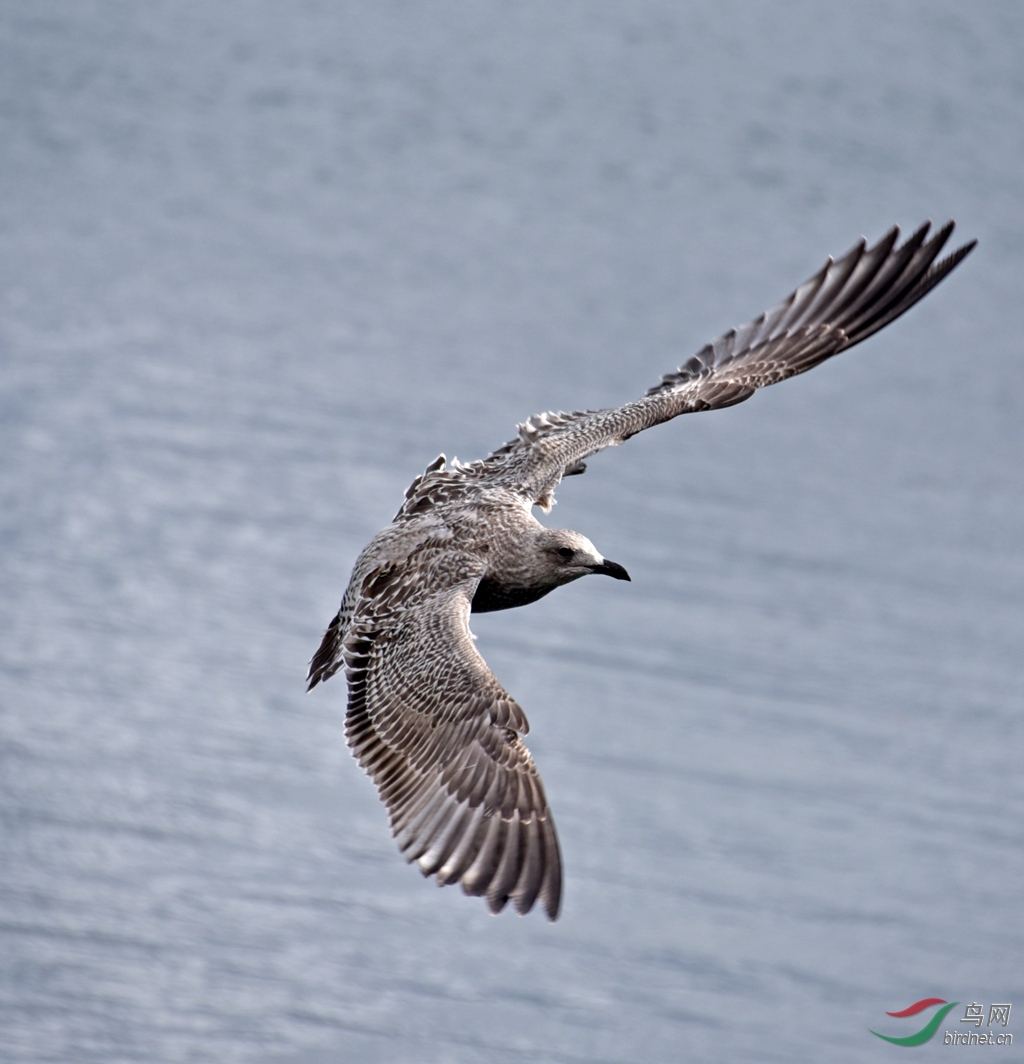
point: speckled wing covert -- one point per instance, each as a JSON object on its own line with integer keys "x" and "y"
{"x": 441, "y": 738}
{"x": 844, "y": 303}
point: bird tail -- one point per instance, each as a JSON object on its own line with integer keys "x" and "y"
{"x": 329, "y": 658}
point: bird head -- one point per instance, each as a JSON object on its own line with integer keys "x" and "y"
{"x": 564, "y": 555}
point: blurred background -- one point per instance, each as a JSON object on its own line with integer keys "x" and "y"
{"x": 259, "y": 263}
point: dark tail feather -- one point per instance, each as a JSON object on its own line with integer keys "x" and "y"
{"x": 328, "y": 659}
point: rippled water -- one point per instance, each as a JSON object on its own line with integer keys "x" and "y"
{"x": 260, "y": 263}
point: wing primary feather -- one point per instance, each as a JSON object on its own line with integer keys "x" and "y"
{"x": 477, "y": 878}
{"x": 806, "y": 294}
{"x": 531, "y": 875}
{"x": 836, "y": 278}
{"x": 926, "y": 281}
{"x": 897, "y": 278}
{"x": 551, "y": 890}
{"x": 867, "y": 270}
{"x": 507, "y": 872}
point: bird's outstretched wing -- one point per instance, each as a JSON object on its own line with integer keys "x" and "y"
{"x": 844, "y": 303}
{"x": 441, "y": 738}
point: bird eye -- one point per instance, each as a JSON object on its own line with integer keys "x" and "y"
{"x": 566, "y": 553}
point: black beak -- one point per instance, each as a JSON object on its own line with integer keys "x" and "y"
{"x": 612, "y": 569}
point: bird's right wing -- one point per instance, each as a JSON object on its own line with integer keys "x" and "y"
{"x": 441, "y": 738}
{"x": 844, "y": 303}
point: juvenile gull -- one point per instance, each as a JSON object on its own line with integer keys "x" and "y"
{"x": 427, "y": 719}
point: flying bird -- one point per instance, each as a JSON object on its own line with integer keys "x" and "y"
{"x": 426, "y": 718}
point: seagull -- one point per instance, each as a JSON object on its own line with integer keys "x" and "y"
{"x": 427, "y": 719}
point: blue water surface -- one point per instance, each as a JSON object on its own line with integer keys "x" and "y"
{"x": 259, "y": 263}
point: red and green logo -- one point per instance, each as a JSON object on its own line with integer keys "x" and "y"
{"x": 928, "y": 1030}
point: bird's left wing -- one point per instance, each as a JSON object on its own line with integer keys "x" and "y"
{"x": 844, "y": 303}
{"x": 441, "y": 738}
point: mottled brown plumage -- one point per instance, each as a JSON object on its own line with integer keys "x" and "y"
{"x": 426, "y": 717}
